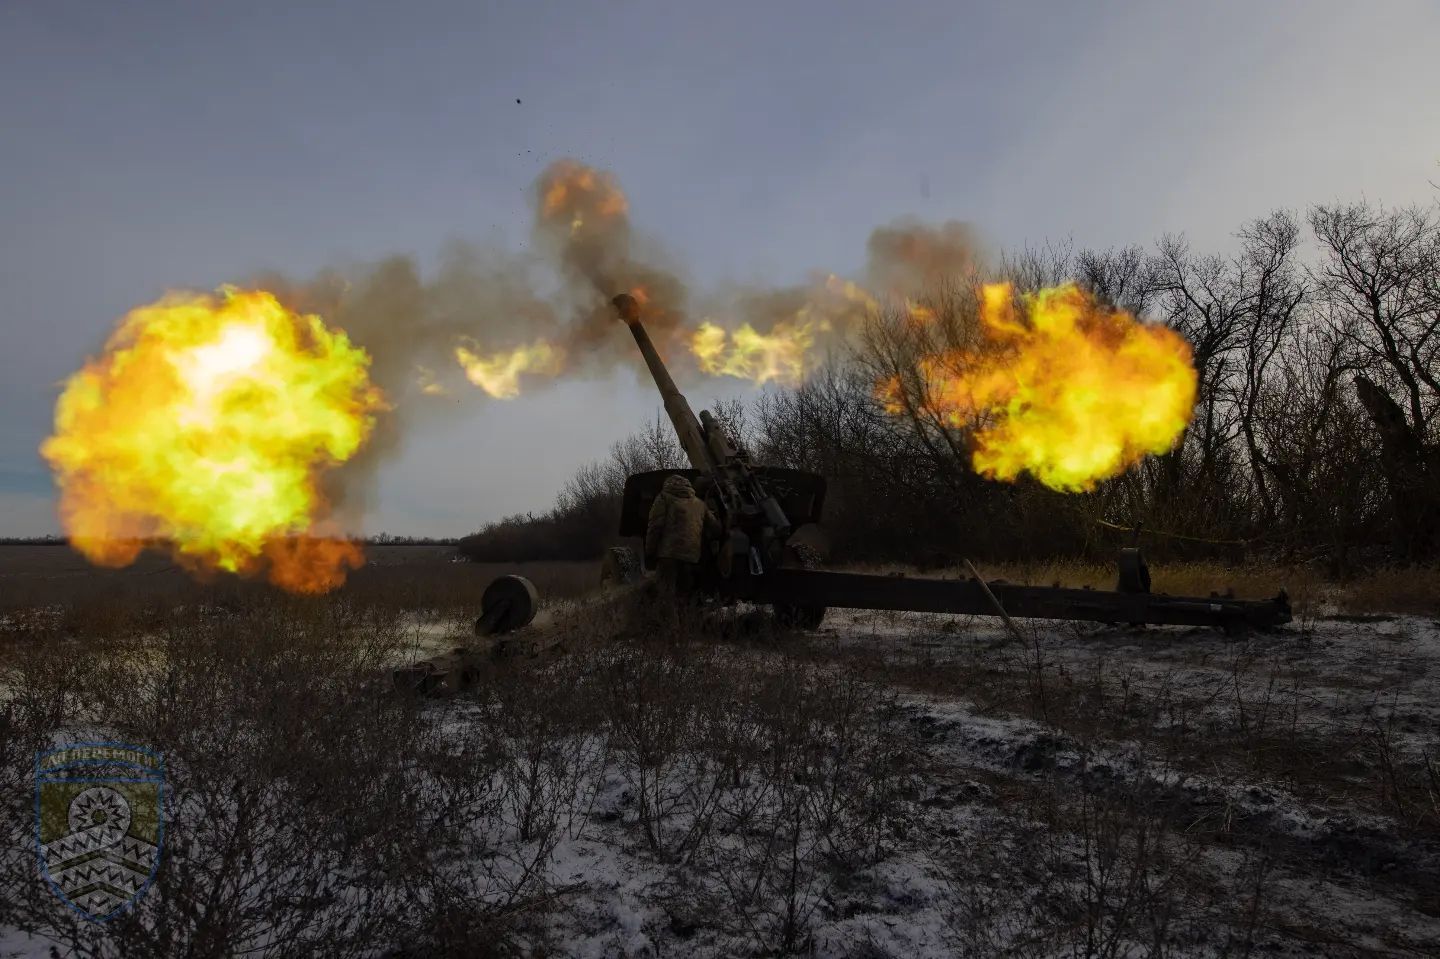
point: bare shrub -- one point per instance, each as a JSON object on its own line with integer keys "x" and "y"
{"x": 302, "y": 799}
{"x": 817, "y": 800}
{"x": 1113, "y": 868}
{"x": 651, "y": 709}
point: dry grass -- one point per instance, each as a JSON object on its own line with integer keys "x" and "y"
{"x": 51, "y": 591}
{"x": 1413, "y": 589}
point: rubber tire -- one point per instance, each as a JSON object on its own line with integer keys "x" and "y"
{"x": 798, "y": 555}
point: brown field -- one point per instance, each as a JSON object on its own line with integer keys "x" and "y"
{"x": 409, "y": 578}
{"x": 420, "y": 577}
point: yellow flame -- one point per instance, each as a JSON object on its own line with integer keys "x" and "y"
{"x": 1063, "y": 388}
{"x": 206, "y": 427}
{"x": 498, "y": 373}
{"x": 787, "y": 352}
{"x": 782, "y": 355}
{"x": 852, "y": 291}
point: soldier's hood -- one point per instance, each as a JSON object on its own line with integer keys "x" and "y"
{"x": 677, "y": 486}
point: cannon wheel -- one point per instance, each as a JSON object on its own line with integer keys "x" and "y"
{"x": 800, "y": 617}
{"x": 508, "y": 603}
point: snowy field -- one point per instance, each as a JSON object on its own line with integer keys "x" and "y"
{"x": 894, "y": 785}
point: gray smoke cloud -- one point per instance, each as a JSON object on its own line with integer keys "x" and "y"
{"x": 585, "y": 250}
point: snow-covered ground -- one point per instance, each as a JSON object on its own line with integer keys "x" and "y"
{"x": 1304, "y": 868}
{"x": 1083, "y": 790}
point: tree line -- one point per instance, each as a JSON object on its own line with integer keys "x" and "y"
{"x": 1315, "y": 436}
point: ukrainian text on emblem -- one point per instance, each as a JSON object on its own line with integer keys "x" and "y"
{"x": 98, "y": 824}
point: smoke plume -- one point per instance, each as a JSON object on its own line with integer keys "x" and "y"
{"x": 508, "y": 322}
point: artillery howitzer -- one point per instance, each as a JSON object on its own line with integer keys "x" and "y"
{"x": 760, "y": 507}
{"x": 754, "y": 561}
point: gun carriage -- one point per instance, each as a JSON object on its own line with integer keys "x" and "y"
{"x": 754, "y": 560}
{"x": 760, "y": 508}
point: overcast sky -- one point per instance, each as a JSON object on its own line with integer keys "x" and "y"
{"x": 147, "y": 145}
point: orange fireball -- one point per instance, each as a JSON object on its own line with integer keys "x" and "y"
{"x": 576, "y": 194}
{"x": 1062, "y": 388}
{"x": 206, "y": 427}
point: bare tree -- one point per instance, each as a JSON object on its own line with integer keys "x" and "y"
{"x": 1124, "y": 279}
{"x": 1380, "y": 277}
{"x": 1202, "y": 299}
{"x": 1273, "y": 292}
{"x": 1035, "y": 267}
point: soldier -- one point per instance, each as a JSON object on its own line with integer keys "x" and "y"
{"x": 674, "y": 536}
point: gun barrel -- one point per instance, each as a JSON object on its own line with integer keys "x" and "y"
{"x": 682, "y": 417}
